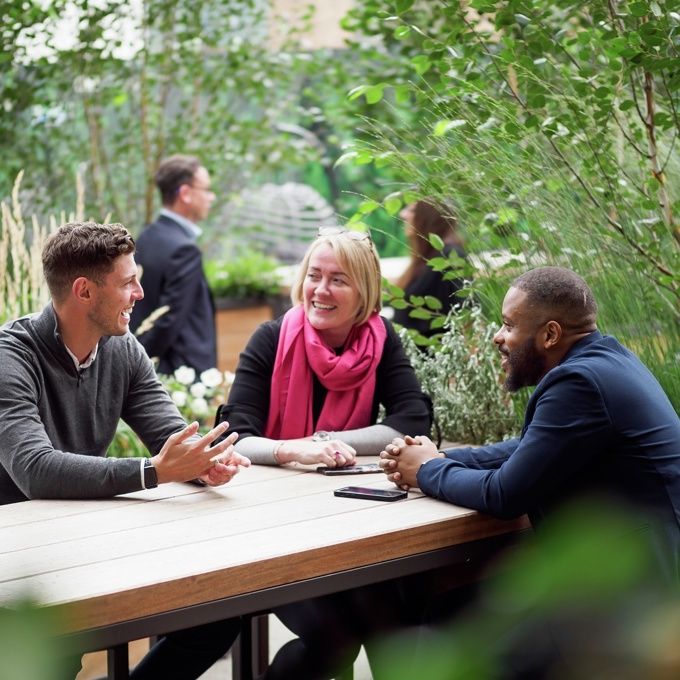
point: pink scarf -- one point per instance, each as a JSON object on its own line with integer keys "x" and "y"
{"x": 349, "y": 377}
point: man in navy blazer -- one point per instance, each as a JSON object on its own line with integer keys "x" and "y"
{"x": 597, "y": 425}
{"x": 172, "y": 272}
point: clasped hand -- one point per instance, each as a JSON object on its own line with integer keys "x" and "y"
{"x": 182, "y": 459}
{"x": 402, "y": 459}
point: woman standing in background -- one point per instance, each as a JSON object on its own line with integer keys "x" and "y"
{"x": 422, "y": 218}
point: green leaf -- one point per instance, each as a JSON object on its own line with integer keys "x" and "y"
{"x": 345, "y": 157}
{"x": 421, "y": 63}
{"x": 616, "y": 45}
{"x": 433, "y": 303}
{"x": 368, "y": 207}
{"x": 395, "y": 291}
{"x": 384, "y": 159}
{"x": 522, "y": 20}
{"x": 392, "y": 205}
{"x": 401, "y": 32}
{"x": 399, "y": 304}
{"x": 402, "y": 94}
{"x": 436, "y": 241}
{"x": 537, "y": 101}
{"x": 403, "y": 5}
{"x": 420, "y": 313}
{"x": 443, "y": 126}
{"x": 356, "y": 92}
{"x": 374, "y": 94}
{"x": 364, "y": 157}
{"x": 513, "y": 128}
{"x": 438, "y": 263}
{"x": 638, "y": 9}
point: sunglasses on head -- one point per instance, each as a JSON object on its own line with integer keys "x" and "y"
{"x": 354, "y": 234}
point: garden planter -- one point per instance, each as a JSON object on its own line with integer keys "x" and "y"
{"x": 237, "y": 320}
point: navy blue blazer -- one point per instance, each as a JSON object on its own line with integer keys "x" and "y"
{"x": 599, "y": 424}
{"x": 172, "y": 274}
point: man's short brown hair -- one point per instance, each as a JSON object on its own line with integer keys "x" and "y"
{"x": 172, "y": 173}
{"x": 83, "y": 249}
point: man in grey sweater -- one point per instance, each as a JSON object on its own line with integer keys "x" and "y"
{"x": 67, "y": 375}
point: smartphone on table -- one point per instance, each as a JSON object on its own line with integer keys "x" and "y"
{"x": 367, "y": 493}
{"x": 359, "y": 469}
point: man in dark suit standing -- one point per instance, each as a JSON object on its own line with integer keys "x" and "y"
{"x": 172, "y": 271}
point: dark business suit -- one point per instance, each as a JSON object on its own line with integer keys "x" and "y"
{"x": 599, "y": 424}
{"x": 172, "y": 274}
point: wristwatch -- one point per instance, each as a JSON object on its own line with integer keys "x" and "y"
{"x": 150, "y": 476}
{"x": 321, "y": 436}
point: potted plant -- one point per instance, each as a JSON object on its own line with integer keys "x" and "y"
{"x": 248, "y": 291}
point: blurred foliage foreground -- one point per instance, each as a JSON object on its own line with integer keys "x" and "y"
{"x": 580, "y": 601}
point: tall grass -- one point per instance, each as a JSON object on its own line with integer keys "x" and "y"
{"x": 521, "y": 202}
{"x": 22, "y": 286}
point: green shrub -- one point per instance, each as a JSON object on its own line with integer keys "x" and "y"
{"x": 126, "y": 443}
{"x": 196, "y": 400}
{"x": 463, "y": 377}
{"x": 250, "y": 275}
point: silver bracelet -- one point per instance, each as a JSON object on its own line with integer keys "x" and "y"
{"x": 277, "y": 446}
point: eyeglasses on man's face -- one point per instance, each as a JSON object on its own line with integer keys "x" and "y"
{"x": 354, "y": 234}
{"x": 206, "y": 189}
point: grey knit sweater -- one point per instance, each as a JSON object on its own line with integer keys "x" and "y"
{"x": 56, "y": 423}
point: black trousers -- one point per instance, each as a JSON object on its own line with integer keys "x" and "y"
{"x": 331, "y": 630}
{"x": 182, "y": 655}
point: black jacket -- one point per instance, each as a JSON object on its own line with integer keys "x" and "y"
{"x": 172, "y": 274}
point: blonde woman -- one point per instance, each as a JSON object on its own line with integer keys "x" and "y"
{"x": 307, "y": 390}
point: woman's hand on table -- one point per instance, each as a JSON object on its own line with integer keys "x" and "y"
{"x": 332, "y": 453}
{"x": 402, "y": 459}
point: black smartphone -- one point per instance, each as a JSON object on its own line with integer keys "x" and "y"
{"x": 360, "y": 469}
{"x": 371, "y": 494}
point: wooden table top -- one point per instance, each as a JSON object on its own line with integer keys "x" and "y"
{"x": 102, "y": 562}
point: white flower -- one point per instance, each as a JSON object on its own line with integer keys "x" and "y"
{"x": 229, "y": 378}
{"x": 180, "y": 398}
{"x": 212, "y": 377}
{"x": 185, "y": 375}
{"x": 200, "y": 407}
{"x": 198, "y": 390}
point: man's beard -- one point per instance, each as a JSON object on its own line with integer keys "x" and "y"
{"x": 525, "y": 366}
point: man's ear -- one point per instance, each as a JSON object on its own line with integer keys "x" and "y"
{"x": 184, "y": 194}
{"x": 552, "y": 334}
{"x": 81, "y": 289}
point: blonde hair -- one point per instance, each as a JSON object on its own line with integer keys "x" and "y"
{"x": 359, "y": 259}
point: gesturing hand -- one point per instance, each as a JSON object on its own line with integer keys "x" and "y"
{"x": 184, "y": 458}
